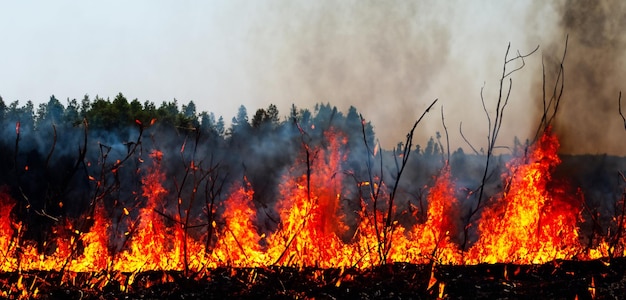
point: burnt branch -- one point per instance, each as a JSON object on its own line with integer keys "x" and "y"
{"x": 494, "y": 124}
{"x": 445, "y": 129}
{"x": 374, "y": 188}
{"x": 616, "y": 243}
{"x": 308, "y": 154}
{"x": 620, "y": 205}
{"x": 54, "y": 143}
{"x": 551, "y": 106}
{"x": 405, "y": 158}
{"x": 619, "y": 103}
{"x": 27, "y": 205}
{"x": 466, "y": 140}
{"x": 406, "y": 151}
{"x": 213, "y": 187}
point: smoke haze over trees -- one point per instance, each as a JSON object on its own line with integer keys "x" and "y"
{"x": 383, "y": 58}
{"x": 57, "y": 159}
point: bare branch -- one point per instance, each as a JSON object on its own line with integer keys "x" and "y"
{"x": 551, "y": 107}
{"x": 407, "y": 150}
{"x": 374, "y": 188}
{"x": 443, "y": 121}
{"x": 54, "y": 143}
{"x": 619, "y": 102}
{"x": 494, "y": 125}
{"x": 482, "y": 100}
{"x": 466, "y": 140}
{"x": 520, "y": 57}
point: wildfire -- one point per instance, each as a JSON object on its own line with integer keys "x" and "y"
{"x": 238, "y": 245}
{"x": 528, "y": 223}
{"x": 311, "y": 224}
{"x": 431, "y": 240}
{"x": 151, "y": 244}
{"x": 7, "y": 231}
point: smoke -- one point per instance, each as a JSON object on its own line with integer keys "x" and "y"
{"x": 391, "y": 59}
{"x": 377, "y": 56}
{"x": 588, "y": 120}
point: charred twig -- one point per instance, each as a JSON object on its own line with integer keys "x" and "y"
{"x": 363, "y": 212}
{"x": 405, "y": 158}
{"x": 54, "y": 142}
{"x": 197, "y": 184}
{"x": 384, "y": 243}
{"x": 445, "y": 129}
{"x": 305, "y": 145}
{"x": 212, "y": 190}
{"x": 374, "y": 188}
{"x": 619, "y": 103}
{"x": 16, "y": 169}
{"x": 621, "y": 220}
{"x": 466, "y": 140}
{"x": 307, "y": 152}
{"x": 616, "y": 239}
{"x": 551, "y": 107}
{"x": 41, "y": 212}
{"x": 103, "y": 189}
{"x": 494, "y": 125}
{"x": 82, "y": 152}
{"x": 596, "y": 226}
{"x": 188, "y": 166}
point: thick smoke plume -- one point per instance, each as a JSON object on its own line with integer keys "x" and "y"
{"x": 373, "y": 56}
{"x": 377, "y": 56}
{"x": 588, "y": 120}
{"x": 391, "y": 59}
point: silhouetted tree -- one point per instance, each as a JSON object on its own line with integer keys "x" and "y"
{"x": 189, "y": 110}
{"x": 25, "y": 115}
{"x": 220, "y": 126}
{"x": 259, "y": 117}
{"x": 85, "y": 106}
{"x": 432, "y": 148}
{"x": 240, "y": 122}
{"x": 267, "y": 116}
{"x": 71, "y": 116}
{"x": 121, "y": 107}
{"x": 50, "y": 113}
{"x": 3, "y": 108}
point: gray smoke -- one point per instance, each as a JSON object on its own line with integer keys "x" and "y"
{"x": 390, "y": 59}
{"x": 588, "y": 120}
{"x": 377, "y": 56}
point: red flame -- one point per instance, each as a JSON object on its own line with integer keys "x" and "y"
{"x": 530, "y": 222}
{"x": 309, "y": 211}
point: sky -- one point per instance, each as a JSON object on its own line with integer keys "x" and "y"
{"x": 389, "y": 59}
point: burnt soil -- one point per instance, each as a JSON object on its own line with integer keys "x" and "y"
{"x": 554, "y": 280}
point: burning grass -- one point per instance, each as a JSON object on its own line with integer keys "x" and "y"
{"x": 528, "y": 241}
{"x": 554, "y": 280}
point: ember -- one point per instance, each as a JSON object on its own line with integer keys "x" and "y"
{"x": 526, "y": 224}
{"x": 530, "y": 224}
{"x": 306, "y": 214}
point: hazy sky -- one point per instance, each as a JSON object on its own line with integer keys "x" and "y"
{"x": 389, "y": 59}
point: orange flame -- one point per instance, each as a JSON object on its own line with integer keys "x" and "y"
{"x": 309, "y": 211}
{"x": 431, "y": 240}
{"x": 530, "y": 222}
{"x": 238, "y": 245}
{"x": 150, "y": 248}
